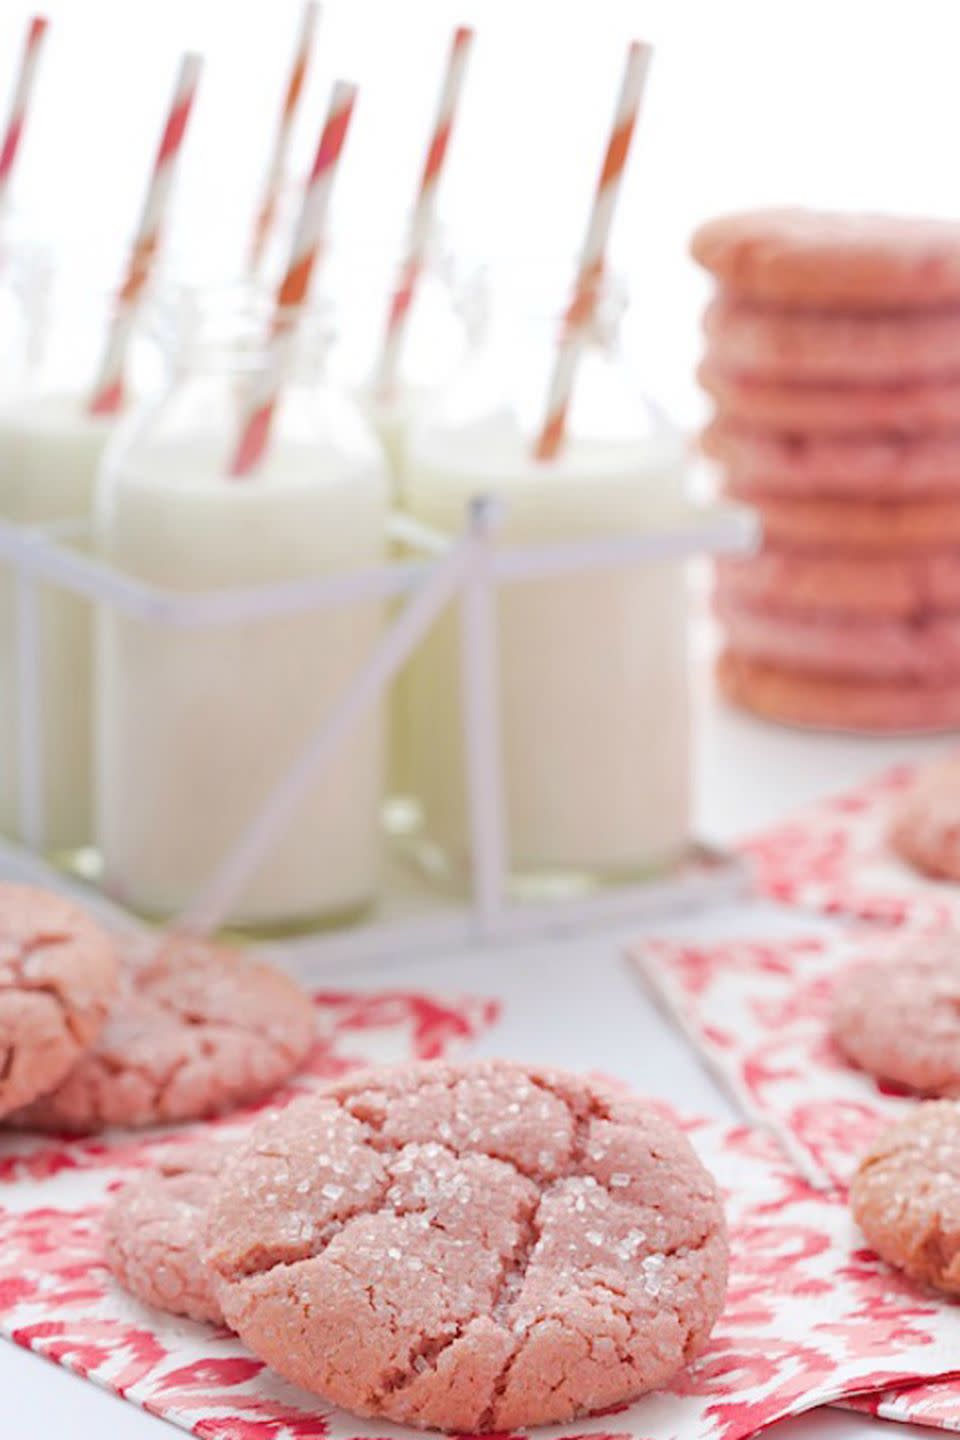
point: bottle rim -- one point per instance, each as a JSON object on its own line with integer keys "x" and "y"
{"x": 236, "y": 325}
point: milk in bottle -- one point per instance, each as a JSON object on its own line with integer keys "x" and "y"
{"x": 196, "y": 725}
{"x": 50, "y": 448}
{"x": 439, "y": 327}
{"x": 593, "y": 691}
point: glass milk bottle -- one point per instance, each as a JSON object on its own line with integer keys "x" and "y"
{"x": 440, "y": 329}
{"x": 593, "y": 687}
{"x": 50, "y": 447}
{"x": 363, "y": 284}
{"x": 24, "y": 284}
{"x": 436, "y": 336}
{"x": 196, "y": 726}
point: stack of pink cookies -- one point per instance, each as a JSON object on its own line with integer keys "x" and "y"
{"x": 833, "y": 359}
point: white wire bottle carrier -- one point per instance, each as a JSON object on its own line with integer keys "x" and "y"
{"x": 467, "y": 567}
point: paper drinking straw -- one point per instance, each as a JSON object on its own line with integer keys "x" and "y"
{"x": 255, "y": 433}
{"x": 21, "y": 103}
{"x": 276, "y": 170}
{"x": 108, "y": 392}
{"x": 424, "y": 213}
{"x": 590, "y": 266}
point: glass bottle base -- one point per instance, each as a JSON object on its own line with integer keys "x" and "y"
{"x": 85, "y": 865}
{"x": 538, "y": 883}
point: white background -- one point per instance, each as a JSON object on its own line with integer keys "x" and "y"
{"x": 838, "y": 102}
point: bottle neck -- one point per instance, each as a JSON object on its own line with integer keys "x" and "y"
{"x": 238, "y": 334}
{"x": 538, "y": 360}
{"x": 529, "y": 309}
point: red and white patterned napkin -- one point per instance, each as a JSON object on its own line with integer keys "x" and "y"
{"x": 758, "y": 1013}
{"x": 935, "y": 1404}
{"x": 833, "y": 858}
{"x": 811, "y": 1317}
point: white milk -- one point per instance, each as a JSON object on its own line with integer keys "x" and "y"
{"x": 593, "y": 667}
{"x": 196, "y": 726}
{"x": 49, "y": 452}
{"x": 436, "y": 340}
{"x": 393, "y": 420}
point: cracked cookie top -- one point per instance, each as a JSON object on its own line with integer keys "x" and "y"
{"x": 474, "y": 1247}
{"x": 58, "y": 974}
{"x": 905, "y": 1195}
{"x": 197, "y": 1028}
{"x": 898, "y": 1016}
{"x": 152, "y": 1230}
{"x": 924, "y": 830}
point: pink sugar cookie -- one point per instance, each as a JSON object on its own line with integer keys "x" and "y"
{"x": 905, "y": 1195}
{"x": 924, "y": 407}
{"x": 197, "y": 1029}
{"x": 859, "y": 467}
{"x": 58, "y": 975}
{"x": 925, "y": 829}
{"x": 893, "y": 586}
{"x": 477, "y": 1247}
{"x": 819, "y": 345}
{"x": 899, "y": 1018}
{"x": 853, "y": 647}
{"x": 883, "y": 526}
{"x": 827, "y": 702}
{"x": 812, "y": 259}
{"x": 152, "y": 1232}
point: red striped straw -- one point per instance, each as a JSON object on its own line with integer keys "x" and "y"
{"x": 276, "y": 170}
{"x": 424, "y": 213}
{"x": 108, "y": 393}
{"x": 255, "y": 434}
{"x": 590, "y": 267}
{"x": 21, "y": 103}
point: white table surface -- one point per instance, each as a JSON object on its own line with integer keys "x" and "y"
{"x": 573, "y": 1002}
